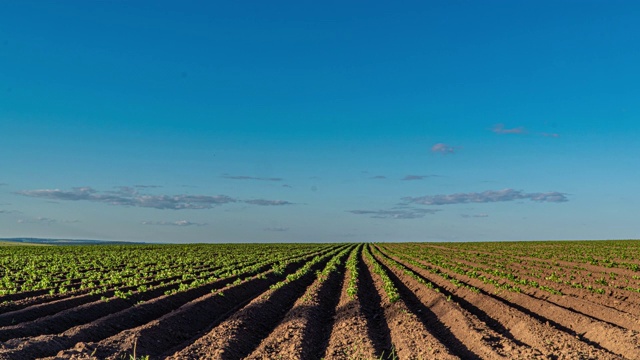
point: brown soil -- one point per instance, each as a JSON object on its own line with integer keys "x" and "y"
{"x": 39, "y": 303}
{"x": 240, "y": 334}
{"x": 458, "y": 327}
{"x": 556, "y": 331}
{"x": 412, "y": 338}
{"x": 163, "y": 328}
{"x": 301, "y": 334}
{"x": 350, "y": 335}
{"x": 601, "y": 307}
{"x": 309, "y": 319}
{"x": 72, "y": 311}
{"x": 114, "y": 323}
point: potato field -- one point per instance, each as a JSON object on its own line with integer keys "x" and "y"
{"x": 516, "y": 300}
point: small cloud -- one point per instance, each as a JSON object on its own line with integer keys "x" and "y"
{"x": 487, "y": 197}
{"x": 174, "y": 223}
{"x": 128, "y": 196}
{"x": 474, "y": 215}
{"x": 398, "y": 213}
{"x": 443, "y": 149}
{"x": 124, "y": 190}
{"x": 147, "y": 186}
{"x": 416, "y": 177}
{"x": 45, "y": 220}
{"x": 553, "y": 135}
{"x": 378, "y": 177}
{"x": 3, "y": 211}
{"x": 263, "y": 202}
{"x": 279, "y": 229}
{"x": 240, "y": 177}
{"x": 3, "y": 184}
{"x": 500, "y": 129}
{"x": 287, "y": 186}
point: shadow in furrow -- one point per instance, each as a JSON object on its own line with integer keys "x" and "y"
{"x": 370, "y": 302}
{"x": 477, "y": 312}
{"x": 430, "y": 320}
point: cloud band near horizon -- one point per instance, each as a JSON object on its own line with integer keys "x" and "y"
{"x": 488, "y": 196}
{"x": 127, "y": 196}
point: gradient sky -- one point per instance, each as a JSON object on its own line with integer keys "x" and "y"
{"x": 320, "y": 121}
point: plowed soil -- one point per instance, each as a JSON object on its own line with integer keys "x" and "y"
{"x": 441, "y": 313}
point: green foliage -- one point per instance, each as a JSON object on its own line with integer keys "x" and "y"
{"x": 389, "y": 288}
{"x": 352, "y": 266}
{"x": 127, "y": 271}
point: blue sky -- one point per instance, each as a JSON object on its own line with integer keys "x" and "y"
{"x": 320, "y": 121}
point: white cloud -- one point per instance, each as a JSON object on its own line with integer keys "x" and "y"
{"x": 487, "y": 197}
{"x": 3, "y": 211}
{"x": 396, "y": 213}
{"x": 500, "y": 129}
{"x": 263, "y": 202}
{"x": 129, "y": 196}
{"x": 241, "y": 177}
{"x": 553, "y": 135}
{"x": 416, "y": 177}
{"x": 278, "y": 229}
{"x": 442, "y": 148}
{"x": 46, "y": 220}
{"x": 174, "y": 223}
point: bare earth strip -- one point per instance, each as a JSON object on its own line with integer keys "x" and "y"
{"x": 237, "y": 336}
{"x": 452, "y": 305}
{"x": 481, "y": 341}
{"x": 589, "y": 304}
{"x": 301, "y": 334}
{"x": 515, "y": 313}
{"x": 410, "y": 337}
{"x": 114, "y": 324}
{"x": 349, "y": 338}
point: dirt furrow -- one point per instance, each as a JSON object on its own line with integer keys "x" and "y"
{"x": 586, "y": 266}
{"x": 542, "y": 261}
{"x": 302, "y": 334}
{"x": 81, "y": 303}
{"x": 410, "y": 337}
{"x": 589, "y": 309}
{"x": 436, "y": 311}
{"x": 86, "y": 312}
{"x": 619, "y": 299}
{"x": 171, "y": 329}
{"x": 372, "y": 305}
{"x": 146, "y": 312}
{"x": 8, "y": 306}
{"x": 518, "y": 314}
{"x": 350, "y": 337}
{"x": 74, "y": 284}
{"x": 587, "y": 304}
{"x": 35, "y": 300}
{"x": 614, "y": 288}
{"x": 240, "y": 334}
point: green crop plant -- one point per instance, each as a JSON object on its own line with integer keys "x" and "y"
{"x": 390, "y": 289}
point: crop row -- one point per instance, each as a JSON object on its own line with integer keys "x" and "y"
{"x": 37, "y": 276}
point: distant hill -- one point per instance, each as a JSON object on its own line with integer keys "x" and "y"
{"x": 39, "y": 241}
